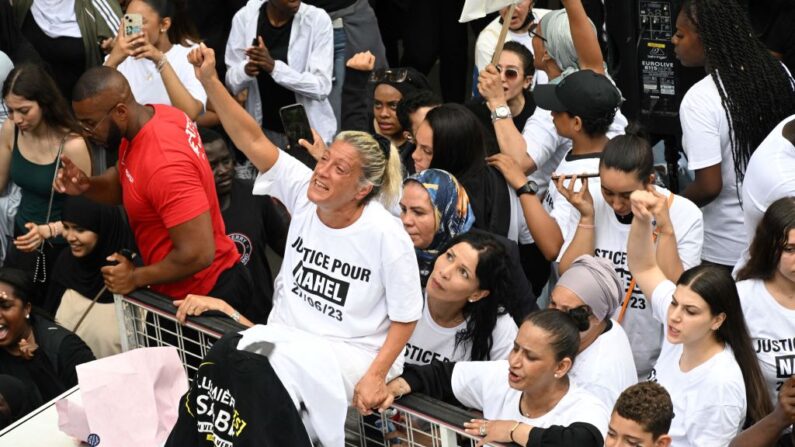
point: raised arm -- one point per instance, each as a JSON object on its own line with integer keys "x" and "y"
{"x": 240, "y": 126}
{"x": 641, "y": 257}
{"x": 584, "y": 240}
{"x": 586, "y": 43}
{"x": 544, "y": 229}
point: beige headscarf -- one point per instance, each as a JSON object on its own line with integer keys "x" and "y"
{"x": 595, "y": 282}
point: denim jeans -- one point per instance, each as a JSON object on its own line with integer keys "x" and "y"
{"x": 338, "y": 77}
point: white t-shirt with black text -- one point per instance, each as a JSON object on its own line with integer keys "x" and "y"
{"x": 433, "y": 342}
{"x": 343, "y": 284}
{"x": 610, "y": 242}
{"x": 606, "y": 368}
{"x": 709, "y": 400}
{"x": 484, "y": 386}
{"x": 772, "y": 330}
{"x": 707, "y": 142}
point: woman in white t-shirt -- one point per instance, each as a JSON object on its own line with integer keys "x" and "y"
{"x": 604, "y": 363}
{"x": 155, "y": 61}
{"x": 767, "y": 293}
{"x": 537, "y": 405}
{"x": 349, "y": 274}
{"x": 601, "y": 228}
{"x": 707, "y": 362}
{"x": 467, "y": 298}
{"x": 726, "y": 115}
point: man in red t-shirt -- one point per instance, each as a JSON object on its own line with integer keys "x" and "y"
{"x": 166, "y": 186}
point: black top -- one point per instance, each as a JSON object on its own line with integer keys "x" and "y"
{"x": 64, "y": 56}
{"x": 435, "y": 380}
{"x": 253, "y": 222}
{"x": 330, "y": 5}
{"x": 481, "y": 110}
{"x": 488, "y": 195}
{"x": 51, "y": 371}
{"x": 772, "y": 21}
{"x": 242, "y": 385}
{"x": 272, "y": 95}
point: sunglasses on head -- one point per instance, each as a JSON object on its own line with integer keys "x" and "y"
{"x": 396, "y": 75}
{"x": 510, "y": 73}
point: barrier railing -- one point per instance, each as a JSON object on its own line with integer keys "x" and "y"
{"x": 147, "y": 320}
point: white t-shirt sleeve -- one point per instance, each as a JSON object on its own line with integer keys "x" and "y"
{"x": 689, "y": 227}
{"x": 401, "y": 278}
{"x": 700, "y": 128}
{"x": 661, "y": 299}
{"x": 502, "y": 337}
{"x": 714, "y": 425}
{"x": 541, "y": 137}
{"x": 287, "y": 180}
{"x": 472, "y": 382}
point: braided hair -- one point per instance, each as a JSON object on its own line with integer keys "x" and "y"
{"x": 755, "y": 89}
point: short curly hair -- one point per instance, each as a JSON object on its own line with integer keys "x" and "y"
{"x": 648, "y": 404}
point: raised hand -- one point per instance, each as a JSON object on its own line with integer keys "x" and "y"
{"x": 71, "y": 179}
{"x": 490, "y": 86}
{"x": 581, "y": 200}
{"x": 509, "y": 168}
{"x": 203, "y": 61}
{"x": 364, "y": 61}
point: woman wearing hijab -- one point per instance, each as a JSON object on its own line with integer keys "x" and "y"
{"x": 93, "y": 232}
{"x": 604, "y": 366}
{"x": 434, "y": 209}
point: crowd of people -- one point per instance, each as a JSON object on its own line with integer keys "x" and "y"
{"x": 512, "y": 251}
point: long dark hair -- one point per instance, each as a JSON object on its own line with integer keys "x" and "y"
{"x": 493, "y": 275}
{"x": 457, "y": 140}
{"x": 771, "y": 236}
{"x": 755, "y": 89}
{"x": 182, "y": 29}
{"x": 716, "y": 286}
{"x": 32, "y": 82}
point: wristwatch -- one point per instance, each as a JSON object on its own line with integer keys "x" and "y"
{"x": 530, "y": 187}
{"x": 500, "y": 112}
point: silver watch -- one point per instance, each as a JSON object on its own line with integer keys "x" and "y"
{"x": 500, "y": 112}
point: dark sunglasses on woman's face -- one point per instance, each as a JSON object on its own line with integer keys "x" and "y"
{"x": 396, "y": 75}
{"x": 511, "y": 73}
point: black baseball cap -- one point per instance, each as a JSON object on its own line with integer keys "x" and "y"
{"x": 583, "y": 93}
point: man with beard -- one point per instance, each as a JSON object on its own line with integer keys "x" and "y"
{"x": 166, "y": 186}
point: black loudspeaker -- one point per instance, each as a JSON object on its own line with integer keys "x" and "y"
{"x": 641, "y": 58}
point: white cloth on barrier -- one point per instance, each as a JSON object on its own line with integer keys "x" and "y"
{"x": 309, "y": 368}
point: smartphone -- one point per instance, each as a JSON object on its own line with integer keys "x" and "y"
{"x": 579, "y": 176}
{"x": 133, "y": 24}
{"x": 296, "y": 124}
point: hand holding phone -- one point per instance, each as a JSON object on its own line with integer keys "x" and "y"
{"x": 296, "y": 125}
{"x": 133, "y": 24}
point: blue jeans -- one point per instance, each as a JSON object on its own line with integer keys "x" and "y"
{"x": 338, "y": 77}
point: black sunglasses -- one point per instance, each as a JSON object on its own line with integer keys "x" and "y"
{"x": 511, "y": 73}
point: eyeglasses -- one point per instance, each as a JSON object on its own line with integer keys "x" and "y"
{"x": 396, "y": 75}
{"x": 532, "y": 32}
{"x": 511, "y": 73}
{"x": 91, "y": 130}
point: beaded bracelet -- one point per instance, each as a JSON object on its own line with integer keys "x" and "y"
{"x": 161, "y": 63}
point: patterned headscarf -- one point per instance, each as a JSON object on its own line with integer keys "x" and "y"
{"x": 451, "y": 209}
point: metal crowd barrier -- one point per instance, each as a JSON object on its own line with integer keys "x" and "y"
{"x": 147, "y": 320}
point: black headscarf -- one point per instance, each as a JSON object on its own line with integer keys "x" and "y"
{"x": 83, "y": 274}
{"x": 18, "y": 398}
